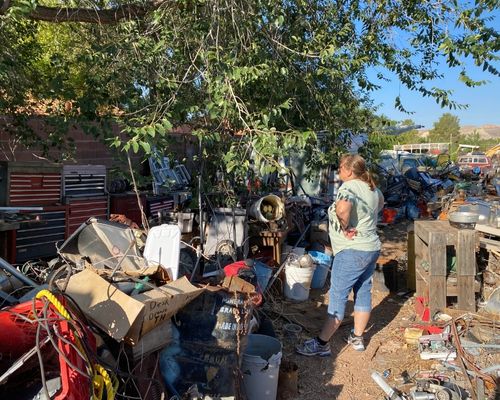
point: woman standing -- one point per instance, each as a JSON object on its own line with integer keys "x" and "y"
{"x": 355, "y": 243}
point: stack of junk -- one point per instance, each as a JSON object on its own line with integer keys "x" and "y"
{"x": 123, "y": 312}
{"x": 116, "y": 318}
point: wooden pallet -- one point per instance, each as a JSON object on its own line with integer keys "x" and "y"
{"x": 430, "y": 246}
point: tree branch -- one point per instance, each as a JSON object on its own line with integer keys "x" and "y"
{"x": 4, "y": 7}
{"x": 88, "y": 15}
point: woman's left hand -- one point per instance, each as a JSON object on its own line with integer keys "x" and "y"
{"x": 349, "y": 233}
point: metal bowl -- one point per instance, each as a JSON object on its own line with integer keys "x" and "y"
{"x": 463, "y": 217}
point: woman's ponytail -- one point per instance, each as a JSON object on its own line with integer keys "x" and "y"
{"x": 358, "y": 166}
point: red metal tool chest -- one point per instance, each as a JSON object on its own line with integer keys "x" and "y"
{"x": 80, "y": 210}
{"x": 126, "y": 204}
{"x": 29, "y": 184}
{"x": 157, "y": 204}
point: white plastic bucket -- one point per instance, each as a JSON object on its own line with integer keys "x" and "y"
{"x": 261, "y": 367}
{"x": 297, "y": 282}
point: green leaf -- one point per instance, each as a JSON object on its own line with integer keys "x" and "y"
{"x": 146, "y": 147}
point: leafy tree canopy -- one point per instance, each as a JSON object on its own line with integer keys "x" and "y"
{"x": 445, "y": 129}
{"x": 271, "y": 72}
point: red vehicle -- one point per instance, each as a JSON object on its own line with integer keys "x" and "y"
{"x": 478, "y": 163}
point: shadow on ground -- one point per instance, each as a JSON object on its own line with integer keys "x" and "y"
{"x": 316, "y": 374}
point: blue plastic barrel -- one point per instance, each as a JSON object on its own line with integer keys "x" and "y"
{"x": 263, "y": 273}
{"x": 323, "y": 263}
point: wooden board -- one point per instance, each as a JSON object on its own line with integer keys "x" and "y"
{"x": 424, "y": 229}
{"x": 410, "y": 273}
{"x": 487, "y": 229}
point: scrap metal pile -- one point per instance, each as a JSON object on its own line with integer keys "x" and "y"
{"x": 416, "y": 186}
{"x": 96, "y": 322}
{"x": 466, "y": 351}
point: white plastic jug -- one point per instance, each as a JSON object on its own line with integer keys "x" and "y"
{"x": 163, "y": 247}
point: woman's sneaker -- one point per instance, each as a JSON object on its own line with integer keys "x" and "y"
{"x": 312, "y": 347}
{"x": 356, "y": 342}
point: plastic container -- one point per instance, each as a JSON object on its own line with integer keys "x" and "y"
{"x": 323, "y": 263}
{"x": 263, "y": 273}
{"x": 261, "y": 367}
{"x": 289, "y": 253}
{"x": 297, "y": 282}
{"x": 292, "y": 331}
{"x": 17, "y": 334}
{"x": 163, "y": 246}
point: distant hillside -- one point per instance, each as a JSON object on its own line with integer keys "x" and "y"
{"x": 487, "y": 131}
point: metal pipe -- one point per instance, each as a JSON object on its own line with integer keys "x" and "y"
{"x": 14, "y": 272}
{"x": 275, "y": 276}
{"x": 490, "y": 369}
{"x": 389, "y": 391}
{"x": 14, "y": 209}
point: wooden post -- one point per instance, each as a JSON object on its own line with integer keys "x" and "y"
{"x": 466, "y": 269}
{"x": 437, "y": 268}
{"x": 410, "y": 274}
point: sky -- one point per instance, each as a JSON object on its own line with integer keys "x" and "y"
{"x": 483, "y": 101}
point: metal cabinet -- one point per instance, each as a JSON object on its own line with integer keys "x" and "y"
{"x": 80, "y": 210}
{"x": 84, "y": 180}
{"x": 38, "y": 239}
{"x": 29, "y": 183}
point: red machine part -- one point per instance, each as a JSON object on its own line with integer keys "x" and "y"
{"x": 18, "y": 328}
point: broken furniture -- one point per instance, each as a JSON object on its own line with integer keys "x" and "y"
{"x": 274, "y": 239}
{"x": 431, "y": 241}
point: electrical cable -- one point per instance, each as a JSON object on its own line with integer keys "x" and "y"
{"x": 40, "y": 360}
{"x": 99, "y": 374}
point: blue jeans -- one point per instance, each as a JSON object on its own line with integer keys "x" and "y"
{"x": 351, "y": 269}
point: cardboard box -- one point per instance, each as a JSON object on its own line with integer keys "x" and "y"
{"x": 124, "y": 317}
{"x": 152, "y": 341}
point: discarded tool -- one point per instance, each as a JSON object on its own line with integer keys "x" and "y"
{"x": 283, "y": 263}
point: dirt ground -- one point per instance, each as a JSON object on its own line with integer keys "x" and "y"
{"x": 346, "y": 374}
